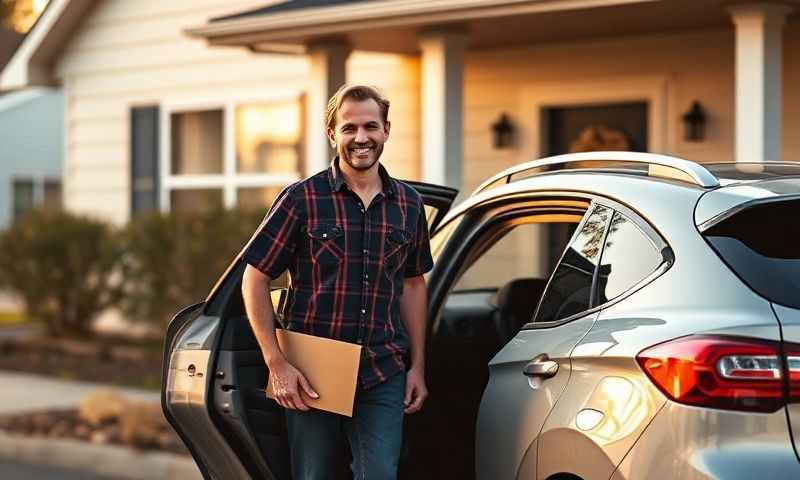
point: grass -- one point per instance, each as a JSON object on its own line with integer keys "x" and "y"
{"x": 12, "y": 318}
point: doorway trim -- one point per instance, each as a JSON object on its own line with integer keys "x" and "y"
{"x": 654, "y": 90}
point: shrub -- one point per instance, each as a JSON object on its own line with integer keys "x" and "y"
{"x": 61, "y": 265}
{"x": 172, "y": 260}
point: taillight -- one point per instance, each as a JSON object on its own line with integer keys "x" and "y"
{"x": 719, "y": 372}
{"x": 793, "y": 363}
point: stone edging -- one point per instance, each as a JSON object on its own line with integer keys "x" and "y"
{"x": 108, "y": 460}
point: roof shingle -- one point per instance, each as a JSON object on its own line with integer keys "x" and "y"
{"x": 287, "y": 6}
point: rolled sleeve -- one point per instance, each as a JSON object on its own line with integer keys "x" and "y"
{"x": 273, "y": 246}
{"x": 419, "y": 260}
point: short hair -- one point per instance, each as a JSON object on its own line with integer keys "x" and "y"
{"x": 355, "y": 92}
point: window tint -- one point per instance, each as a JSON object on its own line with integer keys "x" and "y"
{"x": 569, "y": 291}
{"x": 759, "y": 244}
{"x": 628, "y": 257}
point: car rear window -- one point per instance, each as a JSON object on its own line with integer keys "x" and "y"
{"x": 762, "y": 245}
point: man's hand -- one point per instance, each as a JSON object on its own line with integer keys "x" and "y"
{"x": 287, "y": 383}
{"x": 416, "y": 391}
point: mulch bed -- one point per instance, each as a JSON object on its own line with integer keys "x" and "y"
{"x": 105, "y": 360}
{"x": 67, "y": 424}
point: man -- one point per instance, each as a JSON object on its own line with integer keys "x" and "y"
{"x": 355, "y": 242}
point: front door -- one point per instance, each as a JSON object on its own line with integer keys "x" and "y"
{"x": 528, "y": 375}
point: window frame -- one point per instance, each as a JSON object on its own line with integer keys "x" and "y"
{"x": 229, "y": 180}
{"x": 37, "y": 192}
{"x": 658, "y": 242}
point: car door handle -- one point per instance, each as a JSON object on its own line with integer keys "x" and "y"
{"x": 541, "y": 368}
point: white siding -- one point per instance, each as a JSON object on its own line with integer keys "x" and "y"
{"x": 126, "y": 54}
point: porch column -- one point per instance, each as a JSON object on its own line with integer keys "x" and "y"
{"x": 328, "y": 73}
{"x": 758, "y": 80}
{"x": 442, "y": 86}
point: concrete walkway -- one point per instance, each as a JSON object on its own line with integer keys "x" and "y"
{"x": 21, "y": 392}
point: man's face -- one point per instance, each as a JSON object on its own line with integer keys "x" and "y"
{"x": 360, "y": 133}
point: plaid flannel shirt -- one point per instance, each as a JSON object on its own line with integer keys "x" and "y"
{"x": 347, "y": 262}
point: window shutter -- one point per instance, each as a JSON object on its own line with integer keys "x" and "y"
{"x": 144, "y": 159}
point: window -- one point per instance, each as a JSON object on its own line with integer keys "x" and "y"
{"x": 33, "y": 192}
{"x": 257, "y": 197}
{"x": 268, "y": 137}
{"x": 569, "y": 291}
{"x": 197, "y": 139}
{"x": 23, "y": 197}
{"x": 758, "y": 243}
{"x": 196, "y": 200}
{"x": 233, "y": 154}
{"x": 628, "y": 257}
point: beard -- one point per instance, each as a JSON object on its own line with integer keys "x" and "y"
{"x": 361, "y": 165}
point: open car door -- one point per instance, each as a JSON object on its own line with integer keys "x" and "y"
{"x": 214, "y": 376}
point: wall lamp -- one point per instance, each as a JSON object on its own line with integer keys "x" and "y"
{"x": 503, "y": 132}
{"x": 694, "y": 123}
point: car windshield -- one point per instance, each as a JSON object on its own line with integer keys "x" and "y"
{"x": 761, "y": 244}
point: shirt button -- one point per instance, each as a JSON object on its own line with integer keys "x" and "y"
{"x": 366, "y": 252}
{"x": 366, "y": 276}
{"x": 363, "y": 311}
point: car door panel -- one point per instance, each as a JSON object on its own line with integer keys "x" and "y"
{"x": 190, "y": 340}
{"x": 514, "y": 406}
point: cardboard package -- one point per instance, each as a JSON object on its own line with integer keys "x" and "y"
{"x": 330, "y": 366}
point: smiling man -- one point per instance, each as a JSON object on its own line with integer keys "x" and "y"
{"x": 355, "y": 242}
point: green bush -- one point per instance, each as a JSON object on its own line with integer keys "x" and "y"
{"x": 61, "y": 265}
{"x": 172, "y": 260}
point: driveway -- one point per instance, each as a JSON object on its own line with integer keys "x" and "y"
{"x": 25, "y": 392}
{"x": 39, "y": 472}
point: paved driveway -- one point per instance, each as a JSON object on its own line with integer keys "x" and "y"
{"x": 24, "y": 392}
{"x": 37, "y": 472}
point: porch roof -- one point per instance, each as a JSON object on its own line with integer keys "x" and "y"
{"x": 394, "y": 26}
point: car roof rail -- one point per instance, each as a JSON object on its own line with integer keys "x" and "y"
{"x": 654, "y": 165}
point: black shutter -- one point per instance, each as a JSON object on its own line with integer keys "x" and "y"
{"x": 144, "y": 159}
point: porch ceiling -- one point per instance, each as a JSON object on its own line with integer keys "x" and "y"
{"x": 496, "y": 24}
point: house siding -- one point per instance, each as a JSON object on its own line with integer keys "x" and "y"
{"x": 31, "y": 140}
{"x": 125, "y": 55}
{"x": 697, "y": 65}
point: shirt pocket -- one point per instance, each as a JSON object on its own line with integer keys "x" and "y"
{"x": 396, "y": 249}
{"x": 327, "y": 243}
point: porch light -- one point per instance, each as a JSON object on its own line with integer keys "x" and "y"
{"x": 694, "y": 123}
{"x": 503, "y": 132}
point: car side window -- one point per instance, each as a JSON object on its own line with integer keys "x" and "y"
{"x": 569, "y": 290}
{"x": 628, "y": 257}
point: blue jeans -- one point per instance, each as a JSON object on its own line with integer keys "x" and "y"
{"x": 375, "y": 434}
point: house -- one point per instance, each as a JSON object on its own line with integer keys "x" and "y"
{"x": 31, "y": 136}
{"x": 189, "y": 103}
{"x": 183, "y": 104}
{"x": 31, "y": 133}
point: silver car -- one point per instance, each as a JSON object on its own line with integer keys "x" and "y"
{"x": 606, "y": 315}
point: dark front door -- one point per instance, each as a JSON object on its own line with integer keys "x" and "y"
{"x": 615, "y": 126}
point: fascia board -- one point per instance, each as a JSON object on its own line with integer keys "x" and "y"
{"x": 386, "y": 13}
{"x": 30, "y": 64}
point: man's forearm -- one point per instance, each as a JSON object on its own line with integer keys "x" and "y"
{"x": 413, "y": 314}
{"x": 260, "y": 313}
